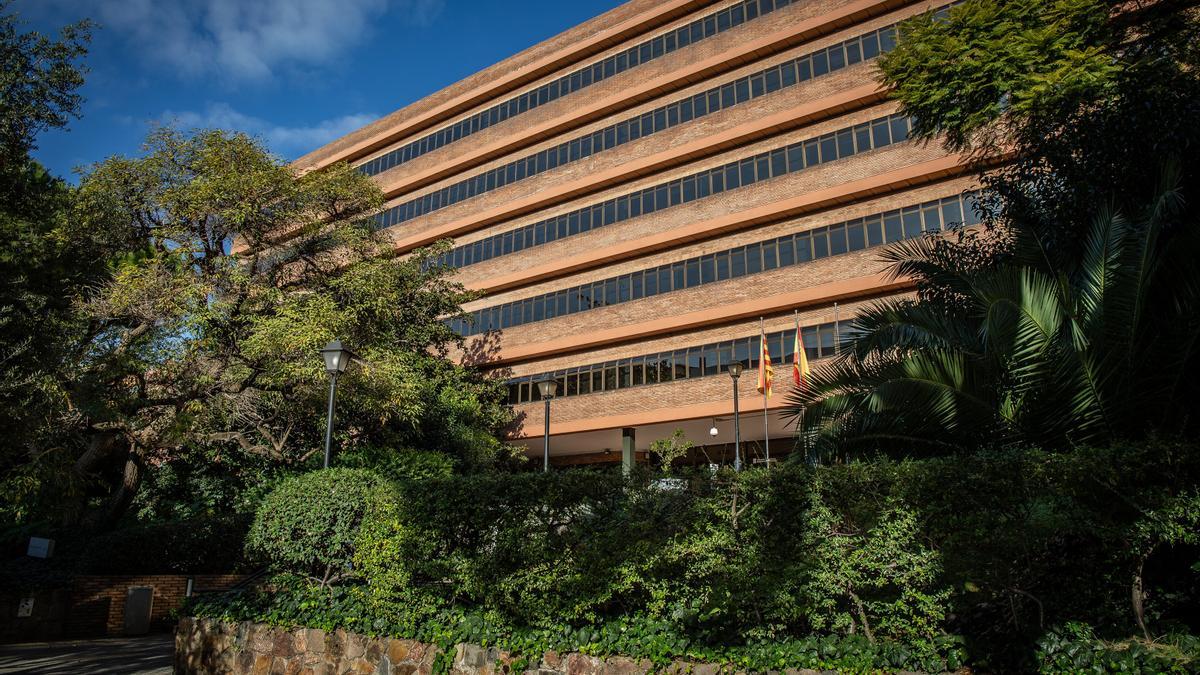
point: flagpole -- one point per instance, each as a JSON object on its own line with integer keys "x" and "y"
{"x": 799, "y": 340}
{"x": 762, "y": 336}
{"x": 837, "y": 331}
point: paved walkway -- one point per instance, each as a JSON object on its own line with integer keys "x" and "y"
{"x": 147, "y": 655}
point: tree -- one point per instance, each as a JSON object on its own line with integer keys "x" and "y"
{"x": 1071, "y": 317}
{"x": 1022, "y": 352}
{"x": 42, "y": 272}
{"x": 673, "y": 447}
{"x": 1088, "y": 99}
{"x": 235, "y": 271}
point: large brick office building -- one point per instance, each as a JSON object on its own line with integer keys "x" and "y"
{"x": 635, "y": 193}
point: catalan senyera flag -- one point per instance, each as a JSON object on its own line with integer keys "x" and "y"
{"x": 766, "y": 374}
{"x": 799, "y": 361}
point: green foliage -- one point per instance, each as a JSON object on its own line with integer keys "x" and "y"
{"x": 1035, "y": 348}
{"x": 638, "y": 636}
{"x": 1076, "y": 649}
{"x": 990, "y": 59}
{"x": 310, "y": 523}
{"x": 887, "y": 559}
{"x": 40, "y": 83}
{"x": 223, "y": 271}
{"x": 880, "y": 582}
{"x": 667, "y": 450}
{"x": 197, "y": 546}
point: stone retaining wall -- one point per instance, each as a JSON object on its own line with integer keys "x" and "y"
{"x": 207, "y": 647}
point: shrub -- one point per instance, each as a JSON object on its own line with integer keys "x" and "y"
{"x": 193, "y": 546}
{"x": 308, "y": 525}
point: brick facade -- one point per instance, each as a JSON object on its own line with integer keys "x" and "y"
{"x": 589, "y": 426}
{"x": 94, "y": 605}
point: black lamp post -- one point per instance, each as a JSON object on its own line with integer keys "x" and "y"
{"x": 337, "y": 359}
{"x": 547, "y": 388}
{"x": 735, "y": 371}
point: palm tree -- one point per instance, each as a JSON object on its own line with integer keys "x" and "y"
{"x": 1010, "y": 342}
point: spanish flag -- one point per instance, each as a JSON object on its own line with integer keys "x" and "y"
{"x": 799, "y": 361}
{"x": 765, "y": 372}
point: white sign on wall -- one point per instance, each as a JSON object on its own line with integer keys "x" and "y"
{"x": 25, "y": 608}
{"x": 40, "y": 548}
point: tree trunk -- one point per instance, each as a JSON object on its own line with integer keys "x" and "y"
{"x": 131, "y": 480}
{"x": 1138, "y": 596}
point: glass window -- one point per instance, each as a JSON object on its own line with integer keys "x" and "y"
{"x": 787, "y": 74}
{"x": 722, "y": 264}
{"x": 891, "y": 226}
{"x": 874, "y": 227}
{"x": 708, "y": 269}
{"x": 746, "y": 170}
{"x": 741, "y": 90}
{"x": 820, "y": 64}
{"x": 845, "y": 141}
{"x": 795, "y": 157}
{"x": 837, "y": 58}
{"x": 952, "y": 210}
{"x": 787, "y": 251}
{"x": 803, "y": 247}
{"x": 932, "y": 216}
{"x": 856, "y": 238}
{"x": 899, "y": 129}
{"x": 837, "y": 240}
{"x": 912, "y": 223}
{"x": 778, "y": 163}
{"x": 737, "y": 264}
{"x": 828, "y": 148}
{"x": 771, "y": 80}
{"x": 812, "y": 156}
{"x": 769, "y": 259}
{"x": 820, "y": 243}
{"x": 710, "y": 359}
{"x": 853, "y": 52}
{"x": 753, "y": 258}
{"x": 880, "y": 134}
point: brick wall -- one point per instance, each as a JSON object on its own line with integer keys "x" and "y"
{"x": 207, "y": 647}
{"x": 94, "y": 605}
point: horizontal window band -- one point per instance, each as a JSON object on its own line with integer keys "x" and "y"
{"x": 844, "y": 290}
{"x": 796, "y": 157}
{"x": 721, "y": 97}
{"x": 591, "y": 109}
{"x": 692, "y": 33}
{"x": 714, "y": 358}
{"x": 870, "y": 187}
{"x": 804, "y": 114}
{"x": 562, "y": 425}
{"x": 857, "y": 234}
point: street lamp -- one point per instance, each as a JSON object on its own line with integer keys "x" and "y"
{"x": 337, "y": 359}
{"x": 547, "y": 387}
{"x": 735, "y": 371}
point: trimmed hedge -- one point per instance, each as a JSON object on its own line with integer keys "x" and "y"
{"x": 308, "y": 524}
{"x": 999, "y": 548}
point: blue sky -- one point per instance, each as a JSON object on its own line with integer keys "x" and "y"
{"x": 296, "y": 73}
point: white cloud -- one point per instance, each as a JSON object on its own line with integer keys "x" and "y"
{"x": 246, "y": 39}
{"x": 286, "y": 141}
